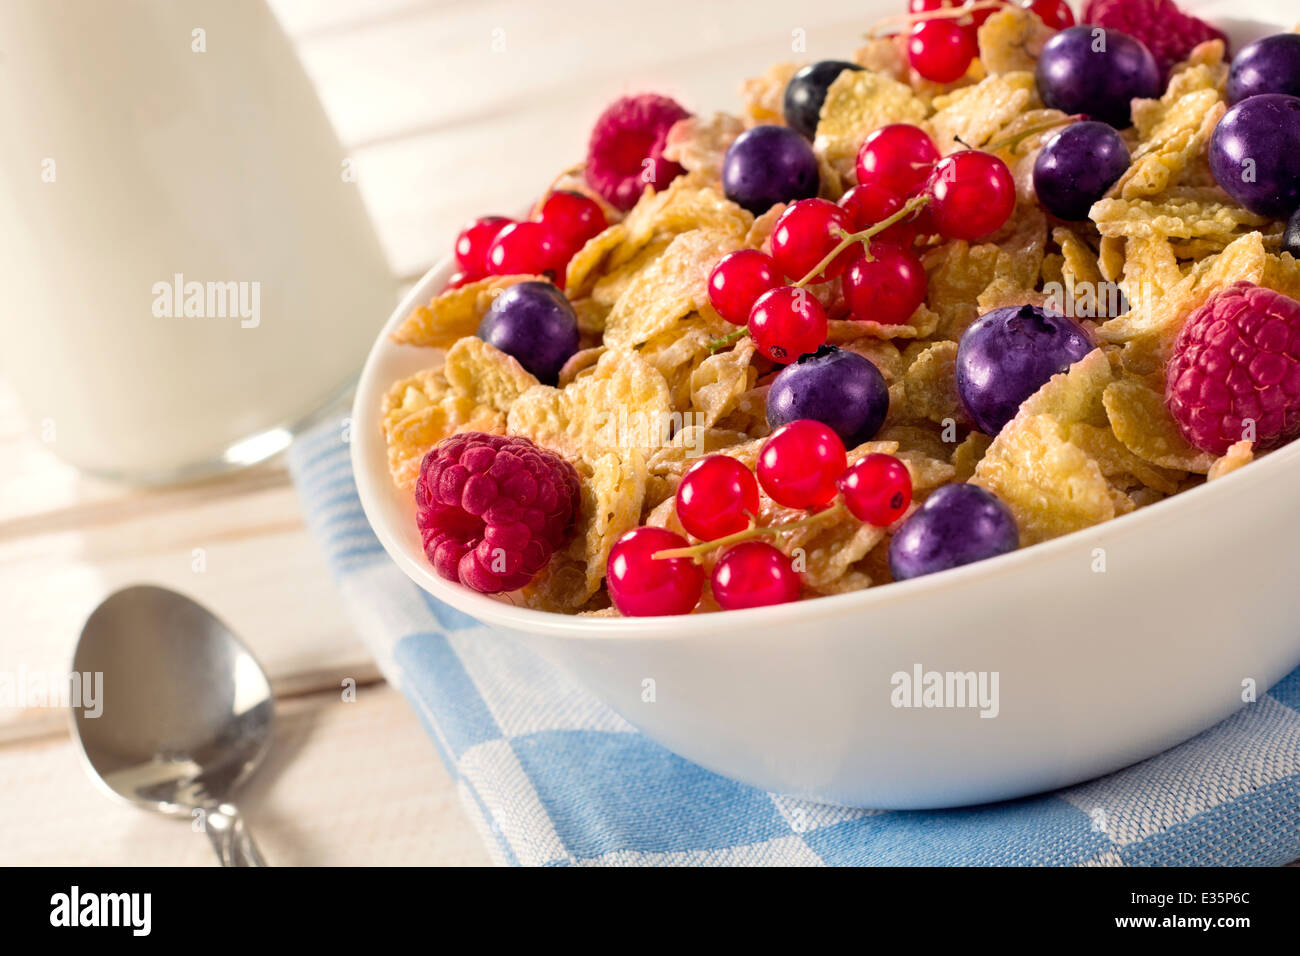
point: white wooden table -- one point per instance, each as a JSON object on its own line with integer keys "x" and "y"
{"x": 449, "y": 110}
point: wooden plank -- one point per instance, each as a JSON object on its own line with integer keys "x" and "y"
{"x": 327, "y": 796}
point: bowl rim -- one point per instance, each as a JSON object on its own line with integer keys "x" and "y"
{"x": 365, "y": 441}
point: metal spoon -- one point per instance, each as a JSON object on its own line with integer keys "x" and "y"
{"x": 185, "y": 716}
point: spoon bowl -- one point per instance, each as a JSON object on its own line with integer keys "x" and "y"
{"x": 186, "y": 713}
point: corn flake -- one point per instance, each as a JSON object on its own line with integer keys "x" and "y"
{"x": 857, "y": 102}
{"x": 455, "y": 313}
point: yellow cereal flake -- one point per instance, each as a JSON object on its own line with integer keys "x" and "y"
{"x": 883, "y": 354}
{"x": 485, "y": 374}
{"x": 966, "y": 456}
{"x": 921, "y": 325}
{"x": 1242, "y": 453}
{"x": 1079, "y": 264}
{"x": 453, "y": 314}
{"x": 886, "y": 55}
{"x": 1110, "y": 258}
{"x": 1051, "y": 485}
{"x": 1160, "y": 304}
{"x": 958, "y": 272}
{"x": 673, "y": 286}
{"x": 760, "y": 233}
{"x": 677, "y": 351}
{"x": 1282, "y": 274}
{"x": 1173, "y": 131}
{"x": 1117, "y": 461}
{"x": 718, "y": 382}
{"x": 621, "y": 405}
{"x": 931, "y": 384}
{"x": 1140, "y": 419}
{"x": 764, "y": 95}
{"x": 969, "y": 117}
{"x": 420, "y": 411}
{"x": 857, "y": 102}
{"x": 612, "y": 492}
{"x": 579, "y": 362}
{"x": 584, "y": 267}
{"x": 614, "y": 282}
{"x": 1173, "y": 216}
{"x": 1011, "y": 40}
{"x": 699, "y": 144}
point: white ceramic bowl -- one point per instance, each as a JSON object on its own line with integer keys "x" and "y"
{"x": 1096, "y": 669}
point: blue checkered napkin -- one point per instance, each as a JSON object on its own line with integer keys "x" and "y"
{"x": 552, "y": 776}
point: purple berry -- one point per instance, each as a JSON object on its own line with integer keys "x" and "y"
{"x": 767, "y": 165}
{"x": 958, "y": 524}
{"x": 1008, "y": 354}
{"x": 1270, "y": 65}
{"x": 1092, "y": 70}
{"x": 535, "y": 323}
{"x": 1291, "y": 236}
{"x": 806, "y": 92}
{"x": 840, "y": 389}
{"x": 1255, "y": 154}
{"x": 1077, "y": 166}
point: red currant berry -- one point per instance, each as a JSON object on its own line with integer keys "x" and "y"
{"x": 877, "y": 489}
{"x": 526, "y": 248}
{"x": 754, "y": 574}
{"x": 642, "y": 585}
{"x": 718, "y": 496}
{"x": 737, "y": 280}
{"x": 887, "y": 288}
{"x": 787, "y": 322}
{"x": 573, "y": 217}
{"x": 1055, "y": 13}
{"x": 869, "y": 204}
{"x": 971, "y": 195}
{"x": 799, "y": 464}
{"x": 941, "y": 50}
{"x": 458, "y": 279}
{"x": 473, "y": 242}
{"x": 805, "y": 234}
{"x": 897, "y": 157}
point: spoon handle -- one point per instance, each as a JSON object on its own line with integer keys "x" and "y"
{"x": 231, "y": 839}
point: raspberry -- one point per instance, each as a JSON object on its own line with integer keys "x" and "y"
{"x": 632, "y": 129}
{"x": 1236, "y": 363}
{"x": 492, "y": 510}
{"x": 1167, "y": 31}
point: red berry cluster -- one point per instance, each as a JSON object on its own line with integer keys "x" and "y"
{"x": 803, "y": 466}
{"x": 866, "y": 241}
{"x": 943, "y": 38}
{"x": 497, "y": 246}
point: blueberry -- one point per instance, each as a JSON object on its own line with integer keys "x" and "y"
{"x": 840, "y": 389}
{"x": 1255, "y": 154}
{"x": 535, "y": 323}
{"x": 767, "y": 165}
{"x": 1077, "y": 166}
{"x": 1008, "y": 354}
{"x": 806, "y": 92}
{"x": 1095, "y": 71}
{"x": 1270, "y": 65}
{"x": 1291, "y": 237}
{"x": 958, "y": 524}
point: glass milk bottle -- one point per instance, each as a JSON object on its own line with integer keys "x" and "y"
{"x": 187, "y": 267}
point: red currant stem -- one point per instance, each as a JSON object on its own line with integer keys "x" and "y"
{"x": 905, "y": 20}
{"x": 1013, "y": 142}
{"x": 728, "y": 339}
{"x": 836, "y": 510}
{"x": 849, "y": 238}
